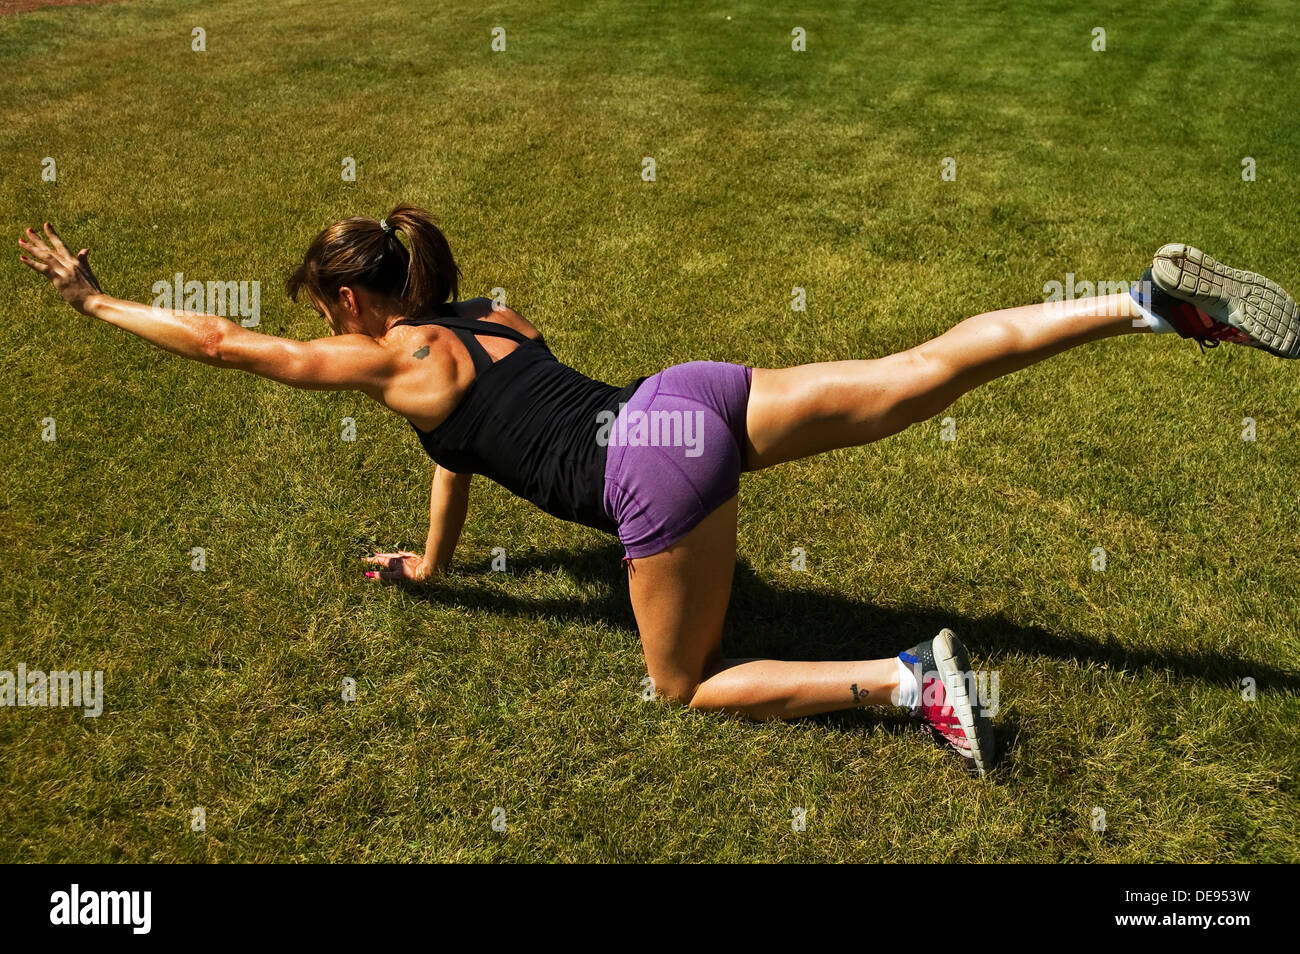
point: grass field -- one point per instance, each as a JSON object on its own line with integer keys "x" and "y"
{"x": 1119, "y": 689}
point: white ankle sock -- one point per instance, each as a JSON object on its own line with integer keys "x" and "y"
{"x": 908, "y": 691}
{"x": 1153, "y": 321}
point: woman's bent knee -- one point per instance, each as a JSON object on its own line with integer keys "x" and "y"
{"x": 679, "y": 690}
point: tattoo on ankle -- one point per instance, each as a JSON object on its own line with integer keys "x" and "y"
{"x": 422, "y": 353}
{"x": 858, "y": 697}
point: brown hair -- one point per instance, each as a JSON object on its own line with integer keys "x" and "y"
{"x": 363, "y": 252}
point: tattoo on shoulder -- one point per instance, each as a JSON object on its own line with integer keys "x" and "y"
{"x": 422, "y": 353}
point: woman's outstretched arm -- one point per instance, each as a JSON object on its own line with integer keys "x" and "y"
{"x": 345, "y": 362}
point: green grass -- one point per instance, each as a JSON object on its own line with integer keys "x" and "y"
{"x": 775, "y": 169}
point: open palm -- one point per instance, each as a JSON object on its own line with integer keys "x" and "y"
{"x": 70, "y": 274}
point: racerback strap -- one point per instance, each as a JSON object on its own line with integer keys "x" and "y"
{"x": 466, "y": 328}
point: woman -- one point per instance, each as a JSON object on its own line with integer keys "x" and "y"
{"x": 658, "y": 462}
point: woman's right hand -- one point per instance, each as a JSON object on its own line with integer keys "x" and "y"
{"x": 70, "y": 274}
{"x": 399, "y": 566}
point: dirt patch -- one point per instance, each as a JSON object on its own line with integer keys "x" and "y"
{"x": 22, "y": 6}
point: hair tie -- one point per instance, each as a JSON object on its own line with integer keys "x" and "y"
{"x": 383, "y": 224}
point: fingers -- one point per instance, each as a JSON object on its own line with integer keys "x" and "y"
{"x": 388, "y": 558}
{"x": 388, "y": 575}
{"x": 395, "y": 564}
{"x": 35, "y": 248}
{"x": 55, "y": 241}
{"x": 34, "y": 266}
{"x": 83, "y": 266}
{"x": 35, "y": 244}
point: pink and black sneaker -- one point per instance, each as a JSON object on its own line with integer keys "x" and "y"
{"x": 949, "y": 707}
{"x": 1209, "y": 302}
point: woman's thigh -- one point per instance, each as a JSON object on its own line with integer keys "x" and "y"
{"x": 680, "y": 597}
{"x": 812, "y": 408}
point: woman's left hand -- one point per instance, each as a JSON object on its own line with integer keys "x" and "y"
{"x": 402, "y": 565}
{"x": 70, "y": 274}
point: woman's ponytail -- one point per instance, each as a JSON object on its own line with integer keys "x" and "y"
{"x": 432, "y": 274}
{"x": 404, "y": 255}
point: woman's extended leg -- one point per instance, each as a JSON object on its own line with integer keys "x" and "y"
{"x": 812, "y": 408}
{"x": 680, "y": 595}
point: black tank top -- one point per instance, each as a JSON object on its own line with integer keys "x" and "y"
{"x": 527, "y": 422}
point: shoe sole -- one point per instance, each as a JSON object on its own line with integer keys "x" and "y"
{"x": 1247, "y": 301}
{"x": 953, "y": 664}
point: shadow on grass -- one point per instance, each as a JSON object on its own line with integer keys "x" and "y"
{"x": 769, "y": 620}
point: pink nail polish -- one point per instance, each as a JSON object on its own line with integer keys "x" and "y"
{"x": 370, "y": 574}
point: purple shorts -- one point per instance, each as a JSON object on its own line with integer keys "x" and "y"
{"x": 675, "y": 453}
